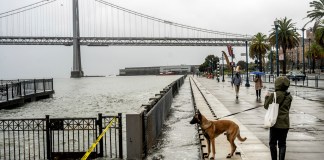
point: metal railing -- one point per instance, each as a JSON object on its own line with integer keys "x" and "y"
{"x": 14, "y": 89}
{"x": 55, "y": 138}
{"x": 144, "y": 128}
{"x": 315, "y": 81}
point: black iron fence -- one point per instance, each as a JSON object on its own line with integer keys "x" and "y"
{"x": 60, "y": 138}
{"x": 311, "y": 81}
{"x": 14, "y": 89}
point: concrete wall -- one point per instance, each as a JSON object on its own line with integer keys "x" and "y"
{"x": 143, "y": 128}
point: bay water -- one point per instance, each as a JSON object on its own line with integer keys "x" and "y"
{"x": 86, "y": 97}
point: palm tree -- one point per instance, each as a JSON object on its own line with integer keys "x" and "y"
{"x": 315, "y": 52}
{"x": 287, "y": 37}
{"x": 259, "y": 47}
{"x": 319, "y": 34}
{"x": 318, "y": 12}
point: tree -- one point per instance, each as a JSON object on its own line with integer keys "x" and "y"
{"x": 315, "y": 52}
{"x": 318, "y": 12}
{"x": 242, "y": 64}
{"x": 319, "y": 34}
{"x": 259, "y": 47}
{"x": 210, "y": 62}
{"x": 287, "y": 37}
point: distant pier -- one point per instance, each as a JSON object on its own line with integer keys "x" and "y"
{"x": 14, "y": 93}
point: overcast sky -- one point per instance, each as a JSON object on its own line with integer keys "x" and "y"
{"x": 234, "y": 16}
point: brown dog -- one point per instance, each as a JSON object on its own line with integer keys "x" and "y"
{"x": 212, "y": 129}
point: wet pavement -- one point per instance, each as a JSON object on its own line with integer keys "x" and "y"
{"x": 179, "y": 139}
{"x": 305, "y": 138}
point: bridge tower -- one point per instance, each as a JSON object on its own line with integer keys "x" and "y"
{"x": 77, "y": 69}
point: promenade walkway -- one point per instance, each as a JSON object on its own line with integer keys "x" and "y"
{"x": 251, "y": 149}
{"x": 305, "y": 138}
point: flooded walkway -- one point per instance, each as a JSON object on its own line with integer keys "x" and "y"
{"x": 179, "y": 139}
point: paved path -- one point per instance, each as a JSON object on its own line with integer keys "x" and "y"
{"x": 248, "y": 148}
{"x": 305, "y": 138}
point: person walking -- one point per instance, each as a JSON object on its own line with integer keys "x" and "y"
{"x": 278, "y": 132}
{"x": 237, "y": 81}
{"x": 258, "y": 86}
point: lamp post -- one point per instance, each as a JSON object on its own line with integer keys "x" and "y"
{"x": 276, "y": 23}
{"x": 309, "y": 41}
{"x": 303, "y": 29}
{"x": 210, "y": 67}
{"x": 297, "y": 58}
{"x": 247, "y": 84}
{"x": 223, "y": 80}
{"x": 271, "y": 62}
{"x": 232, "y": 63}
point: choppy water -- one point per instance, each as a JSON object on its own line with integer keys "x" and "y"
{"x": 86, "y": 97}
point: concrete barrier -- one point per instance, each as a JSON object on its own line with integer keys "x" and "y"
{"x": 144, "y": 127}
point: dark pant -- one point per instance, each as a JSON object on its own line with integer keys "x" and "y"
{"x": 278, "y": 135}
{"x": 258, "y": 92}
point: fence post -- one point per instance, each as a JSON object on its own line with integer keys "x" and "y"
{"x": 100, "y": 131}
{"x": 44, "y": 85}
{"x": 295, "y": 81}
{"x": 120, "y": 135}
{"x": 52, "y": 84}
{"x": 35, "y": 86}
{"x": 48, "y": 138}
{"x": 24, "y": 87}
{"x": 12, "y": 90}
{"x": 7, "y": 93}
{"x": 19, "y": 85}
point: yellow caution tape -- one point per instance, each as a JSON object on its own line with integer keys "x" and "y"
{"x": 86, "y": 155}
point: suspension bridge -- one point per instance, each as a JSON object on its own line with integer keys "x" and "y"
{"x": 100, "y": 23}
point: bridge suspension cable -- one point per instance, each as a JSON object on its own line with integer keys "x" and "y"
{"x": 169, "y": 22}
{"x": 22, "y": 9}
{"x": 102, "y": 23}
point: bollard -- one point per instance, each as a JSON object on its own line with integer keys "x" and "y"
{"x": 316, "y": 81}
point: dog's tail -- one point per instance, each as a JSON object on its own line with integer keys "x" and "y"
{"x": 240, "y": 138}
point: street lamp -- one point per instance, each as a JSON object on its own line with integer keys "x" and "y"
{"x": 223, "y": 80}
{"x": 276, "y": 23}
{"x": 297, "y": 58}
{"x": 303, "y": 29}
{"x": 247, "y": 64}
{"x": 308, "y": 59}
{"x": 271, "y": 56}
{"x": 232, "y": 62}
{"x": 211, "y": 66}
